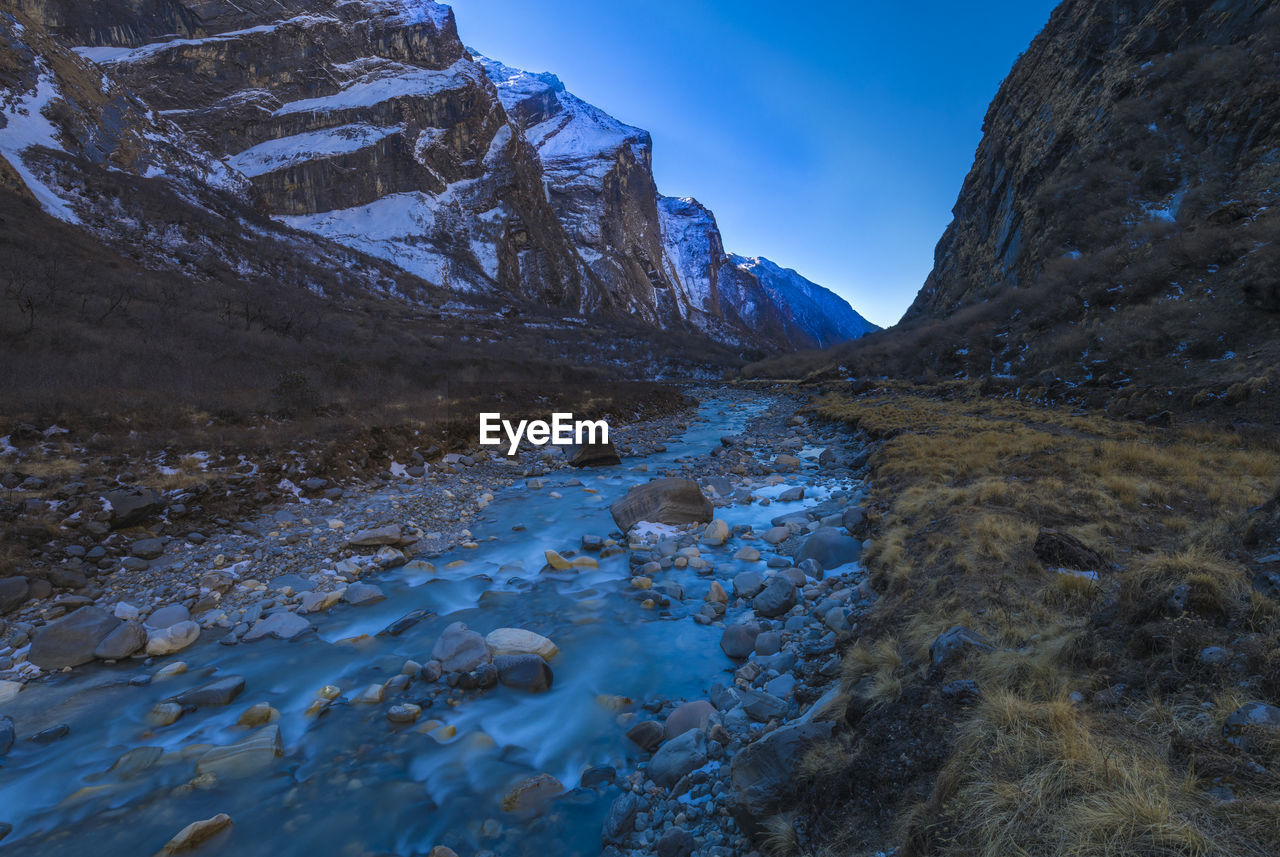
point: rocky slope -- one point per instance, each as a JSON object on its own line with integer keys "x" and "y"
{"x": 1115, "y": 238}
{"x": 393, "y": 141}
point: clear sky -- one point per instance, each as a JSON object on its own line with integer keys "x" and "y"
{"x": 831, "y": 137}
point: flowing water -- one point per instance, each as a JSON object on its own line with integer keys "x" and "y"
{"x": 351, "y": 782}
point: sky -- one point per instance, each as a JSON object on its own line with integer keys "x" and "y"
{"x": 832, "y": 138}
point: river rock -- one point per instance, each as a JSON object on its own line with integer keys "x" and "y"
{"x": 768, "y": 643}
{"x": 258, "y": 714}
{"x": 532, "y": 796}
{"x": 852, "y": 519}
{"x": 164, "y": 713}
{"x": 129, "y": 506}
{"x": 283, "y": 626}
{"x": 556, "y": 561}
{"x": 665, "y": 501}
{"x": 761, "y": 706}
{"x": 7, "y": 734}
{"x": 763, "y": 772}
{"x": 245, "y": 757}
{"x": 747, "y": 584}
{"x": 363, "y": 593}
{"x": 716, "y": 533}
{"x": 676, "y": 842}
{"x": 524, "y": 672}
{"x": 168, "y": 616}
{"x": 776, "y": 535}
{"x": 405, "y": 712}
{"x": 195, "y": 834}
{"x": 791, "y": 495}
{"x": 391, "y": 534}
{"x": 647, "y": 735}
{"x": 593, "y": 455}
{"x": 316, "y": 602}
{"x": 621, "y": 817}
{"x": 147, "y": 548}
{"x": 127, "y": 639}
{"x": 739, "y": 640}
{"x": 220, "y": 691}
{"x": 691, "y": 715}
{"x": 716, "y": 594}
{"x": 831, "y": 547}
{"x": 71, "y": 640}
{"x": 518, "y": 641}
{"x": 678, "y": 757}
{"x": 460, "y": 649}
{"x": 8, "y": 690}
{"x": 13, "y": 592}
{"x": 175, "y": 638}
{"x": 777, "y": 597}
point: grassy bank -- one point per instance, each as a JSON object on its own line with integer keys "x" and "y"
{"x": 1097, "y": 725}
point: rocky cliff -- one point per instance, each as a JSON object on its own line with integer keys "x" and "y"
{"x": 1117, "y": 232}
{"x": 367, "y": 122}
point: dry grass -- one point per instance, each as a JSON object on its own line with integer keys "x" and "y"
{"x": 962, "y": 486}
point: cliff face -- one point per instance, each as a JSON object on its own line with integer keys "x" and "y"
{"x": 1117, "y": 229}
{"x": 367, "y": 123}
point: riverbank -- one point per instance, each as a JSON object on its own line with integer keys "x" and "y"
{"x": 1074, "y": 650}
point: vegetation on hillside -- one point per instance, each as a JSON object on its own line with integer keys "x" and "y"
{"x": 1096, "y": 725}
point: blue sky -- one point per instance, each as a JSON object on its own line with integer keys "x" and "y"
{"x": 832, "y": 138}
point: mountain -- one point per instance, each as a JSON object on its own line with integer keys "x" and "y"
{"x": 366, "y": 123}
{"x": 1116, "y": 240}
{"x": 599, "y": 180}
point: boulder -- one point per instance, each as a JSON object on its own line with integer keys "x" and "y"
{"x": 524, "y": 672}
{"x": 376, "y": 537}
{"x": 676, "y": 842}
{"x": 831, "y": 547}
{"x": 518, "y": 641}
{"x": 620, "y": 820}
{"x": 130, "y": 506}
{"x": 13, "y": 593}
{"x": 665, "y": 501}
{"x": 71, "y": 640}
{"x": 716, "y": 533}
{"x": 1252, "y": 720}
{"x": 747, "y": 584}
{"x": 168, "y": 616}
{"x": 147, "y": 548}
{"x": 126, "y": 640}
{"x": 175, "y": 638}
{"x": 691, "y": 715}
{"x": 952, "y": 645}
{"x": 363, "y": 593}
{"x": 593, "y": 455}
{"x": 678, "y": 757}
{"x": 777, "y": 597}
{"x": 761, "y": 706}
{"x": 1057, "y": 549}
{"x": 283, "y": 626}
{"x": 739, "y": 640}
{"x": 763, "y": 772}
{"x": 647, "y": 735}
{"x": 852, "y": 519}
{"x": 791, "y": 495}
{"x": 460, "y": 649}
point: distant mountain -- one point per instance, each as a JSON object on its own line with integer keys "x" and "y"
{"x": 367, "y": 124}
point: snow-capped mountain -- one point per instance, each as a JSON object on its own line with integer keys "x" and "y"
{"x": 367, "y": 124}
